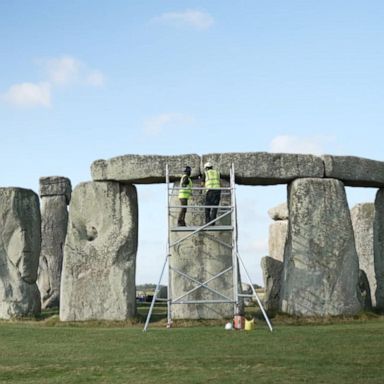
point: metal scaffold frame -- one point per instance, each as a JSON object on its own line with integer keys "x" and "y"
{"x": 237, "y": 261}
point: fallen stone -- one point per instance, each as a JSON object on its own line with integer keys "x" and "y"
{"x": 321, "y": 268}
{"x": 355, "y": 171}
{"x": 363, "y": 216}
{"x": 19, "y": 252}
{"x": 262, "y": 168}
{"x": 144, "y": 169}
{"x": 98, "y": 277}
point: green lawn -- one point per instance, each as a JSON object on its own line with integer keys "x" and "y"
{"x": 53, "y": 352}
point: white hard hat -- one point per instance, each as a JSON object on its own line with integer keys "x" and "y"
{"x": 207, "y": 165}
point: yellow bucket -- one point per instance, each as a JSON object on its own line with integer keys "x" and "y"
{"x": 249, "y": 324}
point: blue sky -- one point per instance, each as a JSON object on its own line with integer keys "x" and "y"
{"x": 84, "y": 80}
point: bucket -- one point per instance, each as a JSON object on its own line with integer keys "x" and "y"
{"x": 238, "y": 322}
{"x": 249, "y": 324}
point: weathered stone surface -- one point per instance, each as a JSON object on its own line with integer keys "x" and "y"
{"x": 355, "y": 171}
{"x": 144, "y": 169}
{"x": 365, "y": 291}
{"x": 279, "y": 213}
{"x": 278, "y": 231}
{"x": 19, "y": 252}
{"x": 55, "y": 186}
{"x": 321, "y": 268}
{"x": 247, "y": 289}
{"x": 272, "y": 274}
{"x": 277, "y": 238}
{"x": 378, "y": 247}
{"x": 363, "y": 216}
{"x": 251, "y": 168}
{"x": 201, "y": 257}
{"x": 98, "y": 277}
{"x": 54, "y": 220}
{"x": 262, "y": 168}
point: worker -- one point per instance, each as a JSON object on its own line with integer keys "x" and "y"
{"x": 211, "y": 181}
{"x": 185, "y": 193}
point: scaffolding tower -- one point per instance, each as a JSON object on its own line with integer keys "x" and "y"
{"x": 225, "y": 212}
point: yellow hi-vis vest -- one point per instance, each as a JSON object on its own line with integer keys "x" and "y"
{"x": 212, "y": 178}
{"x": 185, "y": 192}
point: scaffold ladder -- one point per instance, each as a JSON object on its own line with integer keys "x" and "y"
{"x": 237, "y": 262}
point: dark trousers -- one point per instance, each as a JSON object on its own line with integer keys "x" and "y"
{"x": 183, "y": 211}
{"x": 211, "y": 198}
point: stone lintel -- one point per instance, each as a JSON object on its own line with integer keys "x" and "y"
{"x": 144, "y": 169}
{"x": 55, "y": 186}
{"x": 262, "y": 168}
{"x": 355, "y": 171}
{"x": 251, "y": 168}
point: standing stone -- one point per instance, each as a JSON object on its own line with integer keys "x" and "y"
{"x": 321, "y": 268}
{"x": 278, "y": 231}
{"x": 278, "y": 213}
{"x": 378, "y": 241}
{"x": 98, "y": 278}
{"x": 363, "y": 216}
{"x": 55, "y": 194}
{"x": 201, "y": 256}
{"x": 272, "y": 273}
{"x": 277, "y": 238}
{"x": 365, "y": 291}
{"x": 19, "y": 252}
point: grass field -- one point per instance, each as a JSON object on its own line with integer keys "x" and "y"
{"x": 47, "y": 351}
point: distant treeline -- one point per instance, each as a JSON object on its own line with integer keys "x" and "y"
{"x": 145, "y": 287}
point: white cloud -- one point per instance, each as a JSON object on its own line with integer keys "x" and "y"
{"x": 61, "y": 71}
{"x": 29, "y": 95}
{"x": 294, "y": 144}
{"x": 189, "y": 18}
{"x": 95, "y": 78}
{"x": 67, "y": 70}
{"x": 156, "y": 125}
